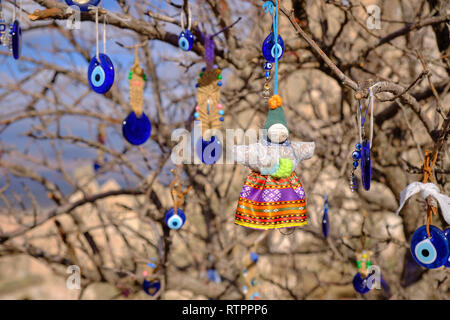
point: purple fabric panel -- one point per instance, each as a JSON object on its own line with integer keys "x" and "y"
{"x": 272, "y": 195}
{"x": 209, "y": 51}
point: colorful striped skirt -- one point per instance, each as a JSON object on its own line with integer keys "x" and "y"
{"x": 268, "y": 203}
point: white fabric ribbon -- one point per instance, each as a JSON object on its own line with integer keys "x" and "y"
{"x": 426, "y": 189}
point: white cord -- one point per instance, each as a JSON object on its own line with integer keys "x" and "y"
{"x": 14, "y": 11}
{"x": 20, "y": 11}
{"x": 188, "y": 18}
{"x": 104, "y": 34}
{"x": 358, "y": 115}
{"x": 96, "y": 33}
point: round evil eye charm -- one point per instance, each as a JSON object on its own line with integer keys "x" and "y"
{"x": 272, "y": 51}
{"x": 430, "y": 252}
{"x": 83, "y": 4}
{"x": 175, "y": 221}
{"x": 360, "y": 284}
{"x": 268, "y": 66}
{"x": 101, "y": 74}
{"x": 447, "y": 235}
{"x": 136, "y": 130}
{"x": 186, "y": 40}
{"x": 151, "y": 287}
{"x": 365, "y": 164}
{"x": 209, "y": 151}
{"x": 16, "y": 39}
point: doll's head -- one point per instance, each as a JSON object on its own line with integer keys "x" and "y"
{"x": 276, "y": 126}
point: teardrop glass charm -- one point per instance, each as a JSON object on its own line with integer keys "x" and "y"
{"x": 16, "y": 39}
{"x": 365, "y": 164}
{"x": 447, "y": 235}
{"x": 136, "y": 130}
{"x": 325, "y": 224}
{"x": 209, "y": 151}
{"x": 325, "y": 220}
{"x": 270, "y": 51}
{"x": 431, "y": 252}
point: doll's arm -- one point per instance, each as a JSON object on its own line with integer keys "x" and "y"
{"x": 303, "y": 150}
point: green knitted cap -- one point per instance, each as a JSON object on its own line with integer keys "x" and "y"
{"x": 275, "y": 116}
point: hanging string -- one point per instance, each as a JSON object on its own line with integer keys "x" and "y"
{"x": 268, "y": 8}
{"x": 277, "y": 49}
{"x": 96, "y": 33}
{"x": 104, "y": 34}
{"x": 14, "y": 11}
{"x": 189, "y": 19}
{"x": 361, "y": 120}
{"x": 428, "y": 165}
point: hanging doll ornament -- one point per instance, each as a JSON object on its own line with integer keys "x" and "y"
{"x": 136, "y": 128}
{"x": 186, "y": 38}
{"x": 209, "y": 112}
{"x": 11, "y": 36}
{"x": 83, "y": 4}
{"x": 175, "y": 217}
{"x": 272, "y": 196}
{"x": 101, "y": 69}
{"x": 361, "y": 154}
{"x": 429, "y": 244}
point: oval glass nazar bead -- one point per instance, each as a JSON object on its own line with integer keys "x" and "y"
{"x": 83, "y": 4}
{"x": 136, "y": 130}
{"x": 431, "y": 252}
{"x": 186, "y": 40}
{"x": 270, "y": 51}
{"x": 360, "y": 284}
{"x": 209, "y": 151}
{"x": 101, "y": 74}
{"x": 175, "y": 221}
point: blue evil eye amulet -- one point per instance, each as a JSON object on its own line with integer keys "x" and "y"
{"x": 151, "y": 287}
{"x": 361, "y": 284}
{"x": 16, "y": 39}
{"x": 186, "y": 40}
{"x": 101, "y": 74}
{"x": 430, "y": 252}
{"x": 209, "y": 151}
{"x": 175, "y": 221}
{"x": 270, "y": 50}
{"x": 325, "y": 219}
{"x": 447, "y": 235}
{"x": 136, "y": 130}
{"x": 365, "y": 164}
{"x": 83, "y": 4}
